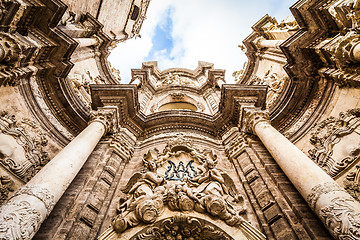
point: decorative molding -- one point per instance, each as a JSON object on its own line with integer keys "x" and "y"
{"x": 328, "y": 134}
{"x": 31, "y": 139}
{"x": 183, "y": 227}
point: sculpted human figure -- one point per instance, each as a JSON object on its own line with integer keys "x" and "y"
{"x": 144, "y": 203}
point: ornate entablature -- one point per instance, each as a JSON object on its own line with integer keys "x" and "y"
{"x": 182, "y": 179}
{"x": 152, "y": 77}
{"x": 337, "y": 143}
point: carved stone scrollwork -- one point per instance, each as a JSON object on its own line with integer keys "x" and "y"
{"x": 199, "y": 187}
{"x": 338, "y": 211}
{"x": 21, "y": 146}
{"x": 342, "y": 218}
{"x": 18, "y": 220}
{"x": 182, "y": 227}
{"x": 42, "y": 194}
{"x": 251, "y": 117}
{"x": 352, "y": 183}
{"x": 10, "y": 50}
{"x": 107, "y": 116}
{"x": 6, "y": 186}
{"x": 336, "y": 142}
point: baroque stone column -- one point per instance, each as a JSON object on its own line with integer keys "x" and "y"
{"x": 22, "y": 215}
{"x": 339, "y": 211}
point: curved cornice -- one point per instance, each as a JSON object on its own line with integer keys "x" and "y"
{"x": 126, "y": 99}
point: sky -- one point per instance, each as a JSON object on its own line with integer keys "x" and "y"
{"x": 179, "y": 33}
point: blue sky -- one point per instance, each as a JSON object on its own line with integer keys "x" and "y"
{"x": 181, "y": 33}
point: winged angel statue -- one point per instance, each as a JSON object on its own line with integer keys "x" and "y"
{"x": 211, "y": 191}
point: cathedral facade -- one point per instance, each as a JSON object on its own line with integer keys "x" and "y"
{"x": 178, "y": 154}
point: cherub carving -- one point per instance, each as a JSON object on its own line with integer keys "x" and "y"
{"x": 145, "y": 202}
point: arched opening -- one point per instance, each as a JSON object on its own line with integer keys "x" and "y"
{"x": 177, "y": 106}
{"x": 135, "y": 13}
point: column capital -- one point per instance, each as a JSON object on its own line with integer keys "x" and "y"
{"x": 108, "y": 116}
{"x": 251, "y": 117}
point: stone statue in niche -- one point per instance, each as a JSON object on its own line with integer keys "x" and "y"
{"x": 336, "y": 142}
{"x": 209, "y": 190}
{"x": 21, "y": 146}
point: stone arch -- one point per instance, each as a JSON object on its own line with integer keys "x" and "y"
{"x": 175, "y": 101}
{"x": 199, "y": 225}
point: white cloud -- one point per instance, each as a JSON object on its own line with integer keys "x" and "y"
{"x": 205, "y": 30}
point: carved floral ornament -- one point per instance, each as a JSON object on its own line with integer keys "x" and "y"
{"x": 22, "y": 146}
{"x": 336, "y": 142}
{"x": 183, "y": 179}
{"x": 106, "y": 116}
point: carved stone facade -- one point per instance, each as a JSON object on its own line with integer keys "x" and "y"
{"x": 178, "y": 153}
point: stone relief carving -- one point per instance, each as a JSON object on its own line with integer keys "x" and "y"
{"x": 81, "y": 85}
{"x": 276, "y": 85}
{"x": 43, "y": 194}
{"x": 346, "y": 13}
{"x": 106, "y": 116}
{"x": 182, "y": 178}
{"x": 6, "y": 186}
{"x": 174, "y": 79}
{"x": 18, "y": 220}
{"x": 21, "y": 146}
{"x": 182, "y": 227}
{"x": 341, "y": 214}
{"x": 336, "y": 142}
{"x": 352, "y": 183}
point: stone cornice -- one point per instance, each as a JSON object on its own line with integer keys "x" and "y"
{"x": 125, "y": 98}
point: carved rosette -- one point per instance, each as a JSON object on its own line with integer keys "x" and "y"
{"x": 251, "y": 117}
{"x": 106, "y": 116}
{"x": 338, "y": 211}
{"x": 28, "y": 137}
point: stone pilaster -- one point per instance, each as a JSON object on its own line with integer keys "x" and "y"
{"x": 23, "y": 214}
{"x": 339, "y": 211}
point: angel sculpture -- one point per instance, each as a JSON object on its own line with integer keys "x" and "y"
{"x": 145, "y": 201}
{"x": 218, "y": 187}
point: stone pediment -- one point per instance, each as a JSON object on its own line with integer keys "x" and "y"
{"x": 125, "y": 97}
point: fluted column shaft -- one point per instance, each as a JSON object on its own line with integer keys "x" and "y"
{"x": 339, "y": 211}
{"x": 22, "y": 215}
